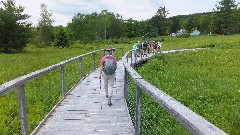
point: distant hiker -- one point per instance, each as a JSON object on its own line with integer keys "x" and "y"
{"x": 107, "y": 70}
{"x": 154, "y": 46}
{"x": 139, "y": 49}
{"x": 144, "y": 48}
{"x": 159, "y": 46}
{"x": 134, "y": 50}
{"x": 149, "y": 45}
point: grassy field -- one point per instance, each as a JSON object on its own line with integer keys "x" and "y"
{"x": 206, "y": 81}
{"x": 16, "y": 65}
{"x": 44, "y": 92}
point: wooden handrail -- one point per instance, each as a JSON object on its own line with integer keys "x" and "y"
{"x": 189, "y": 119}
{"x": 20, "y": 82}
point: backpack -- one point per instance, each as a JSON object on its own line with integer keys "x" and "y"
{"x": 155, "y": 46}
{"x": 145, "y": 45}
{"x": 109, "y": 66}
{"x": 135, "y": 47}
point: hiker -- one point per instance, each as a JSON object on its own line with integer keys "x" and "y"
{"x": 134, "y": 50}
{"x": 107, "y": 70}
{"x": 138, "y": 49}
{"x": 154, "y": 46}
{"x": 144, "y": 48}
{"x": 159, "y": 46}
{"x": 149, "y": 45}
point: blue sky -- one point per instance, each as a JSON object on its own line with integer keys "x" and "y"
{"x": 64, "y": 10}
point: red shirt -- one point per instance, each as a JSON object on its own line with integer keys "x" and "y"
{"x": 109, "y": 57}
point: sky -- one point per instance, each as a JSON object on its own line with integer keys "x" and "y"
{"x": 64, "y": 10}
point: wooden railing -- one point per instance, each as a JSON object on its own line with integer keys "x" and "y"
{"x": 190, "y": 120}
{"x": 193, "y": 122}
{"x": 19, "y": 84}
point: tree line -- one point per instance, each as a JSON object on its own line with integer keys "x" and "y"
{"x": 108, "y": 27}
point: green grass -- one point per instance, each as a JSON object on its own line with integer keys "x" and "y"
{"x": 171, "y": 43}
{"x": 206, "y": 81}
{"x": 43, "y": 92}
{"x": 16, "y": 65}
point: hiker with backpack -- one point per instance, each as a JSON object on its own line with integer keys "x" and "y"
{"x": 144, "y": 48}
{"x": 134, "y": 50}
{"x": 149, "y": 46}
{"x": 159, "y": 46}
{"x": 139, "y": 47}
{"x": 154, "y": 46}
{"x": 107, "y": 70}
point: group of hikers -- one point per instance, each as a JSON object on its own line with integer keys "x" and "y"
{"x": 146, "y": 47}
{"x": 109, "y": 63}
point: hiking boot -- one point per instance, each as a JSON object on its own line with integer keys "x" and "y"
{"x": 109, "y": 101}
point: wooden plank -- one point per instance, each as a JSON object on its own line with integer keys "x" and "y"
{"x": 85, "y": 110}
{"x": 9, "y": 86}
{"x": 195, "y": 123}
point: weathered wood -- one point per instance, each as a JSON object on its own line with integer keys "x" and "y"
{"x": 63, "y": 81}
{"x": 129, "y": 66}
{"x": 193, "y": 122}
{"x": 85, "y": 110}
{"x": 9, "y": 86}
{"x": 23, "y": 109}
{"x": 138, "y": 110}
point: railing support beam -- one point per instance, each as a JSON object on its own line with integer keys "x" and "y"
{"x": 125, "y": 84}
{"x": 131, "y": 58}
{"x": 63, "y": 82}
{"x": 23, "y": 109}
{"x": 138, "y": 110}
{"x": 80, "y": 66}
{"x": 94, "y": 61}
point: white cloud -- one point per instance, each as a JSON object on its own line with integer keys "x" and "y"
{"x": 64, "y": 10}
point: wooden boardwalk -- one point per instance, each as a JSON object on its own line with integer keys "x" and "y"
{"x": 85, "y": 110}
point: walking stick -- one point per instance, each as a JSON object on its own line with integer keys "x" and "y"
{"x": 100, "y": 83}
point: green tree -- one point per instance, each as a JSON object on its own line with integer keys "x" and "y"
{"x": 84, "y": 27}
{"x": 192, "y": 23}
{"x": 147, "y": 30}
{"x": 115, "y": 27}
{"x": 160, "y": 21}
{"x": 205, "y": 23}
{"x": 88, "y": 28}
{"x": 175, "y": 25}
{"x": 132, "y": 28}
{"x": 226, "y": 18}
{"x": 162, "y": 12}
{"x": 45, "y": 27}
{"x": 226, "y": 5}
{"x": 61, "y": 39}
{"x": 15, "y": 32}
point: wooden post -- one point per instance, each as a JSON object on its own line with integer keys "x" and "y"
{"x": 125, "y": 84}
{"x": 131, "y": 58}
{"x": 94, "y": 61}
{"x": 63, "y": 82}
{"x": 23, "y": 110}
{"x": 138, "y": 110}
{"x": 80, "y": 66}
